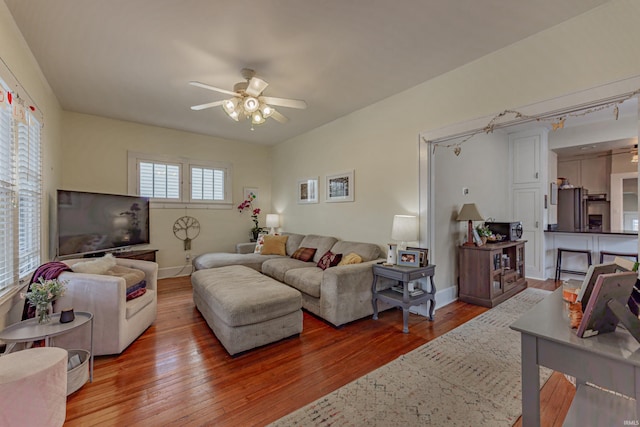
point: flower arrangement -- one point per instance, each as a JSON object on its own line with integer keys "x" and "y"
{"x": 41, "y": 294}
{"x": 248, "y": 205}
{"x": 483, "y": 230}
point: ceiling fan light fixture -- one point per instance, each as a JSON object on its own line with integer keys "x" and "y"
{"x": 266, "y": 110}
{"x": 256, "y": 118}
{"x": 251, "y": 104}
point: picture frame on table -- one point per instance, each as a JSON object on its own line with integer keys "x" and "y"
{"x": 409, "y": 258}
{"x": 340, "y": 187}
{"x": 424, "y": 255}
{"x": 476, "y": 238}
{"x": 307, "y": 190}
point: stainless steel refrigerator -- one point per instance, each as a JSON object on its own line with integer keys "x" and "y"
{"x": 572, "y": 209}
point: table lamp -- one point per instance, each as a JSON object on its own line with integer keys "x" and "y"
{"x": 273, "y": 221}
{"x": 469, "y": 212}
{"x": 404, "y": 229}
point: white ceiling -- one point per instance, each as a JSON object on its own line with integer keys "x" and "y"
{"x": 132, "y": 59}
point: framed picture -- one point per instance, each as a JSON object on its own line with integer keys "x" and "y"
{"x": 409, "y": 258}
{"x": 247, "y": 191}
{"x": 308, "y": 190}
{"x": 340, "y": 187}
{"x": 424, "y": 255}
{"x": 476, "y": 238}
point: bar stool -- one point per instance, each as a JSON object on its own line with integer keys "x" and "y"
{"x": 560, "y": 270}
{"x": 615, "y": 254}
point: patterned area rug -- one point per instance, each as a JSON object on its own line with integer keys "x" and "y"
{"x": 467, "y": 377}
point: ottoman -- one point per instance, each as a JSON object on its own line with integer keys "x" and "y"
{"x": 246, "y": 309}
{"x": 33, "y": 386}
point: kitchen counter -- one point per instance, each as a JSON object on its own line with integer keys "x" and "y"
{"x": 586, "y": 231}
{"x": 622, "y": 241}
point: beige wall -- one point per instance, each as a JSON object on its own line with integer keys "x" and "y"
{"x": 381, "y": 141}
{"x": 95, "y": 158}
{"x": 17, "y": 57}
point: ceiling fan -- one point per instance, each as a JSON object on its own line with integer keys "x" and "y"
{"x": 247, "y": 101}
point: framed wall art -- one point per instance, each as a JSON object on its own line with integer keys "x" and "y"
{"x": 340, "y": 187}
{"x": 308, "y": 190}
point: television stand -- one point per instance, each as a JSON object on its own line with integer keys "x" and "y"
{"x": 142, "y": 254}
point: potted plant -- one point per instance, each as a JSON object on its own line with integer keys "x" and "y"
{"x": 484, "y": 232}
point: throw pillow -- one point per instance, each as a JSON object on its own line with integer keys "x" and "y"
{"x": 131, "y": 276}
{"x": 329, "y": 259}
{"x": 274, "y": 245}
{"x": 95, "y": 266}
{"x": 352, "y": 258}
{"x": 304, "y": 254}
{"x": 259, "y": 244}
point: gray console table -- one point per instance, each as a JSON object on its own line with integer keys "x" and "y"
{"x": 30, "y": 330}
{"x": 403, "y": 275}
{"x": 610, "y": 361}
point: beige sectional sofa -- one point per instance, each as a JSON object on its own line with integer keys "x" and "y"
{"x": 338, "y": 294}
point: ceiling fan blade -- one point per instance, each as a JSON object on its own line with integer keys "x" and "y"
{"x": 282, "y": 102}
{"x": 278, "y": 117}
{"x": 213, "y": 88}
{"x": 256, "y": 86}
{"x": 207, "y": 105}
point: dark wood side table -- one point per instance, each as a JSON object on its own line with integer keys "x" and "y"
{"x": 405, "y": 299}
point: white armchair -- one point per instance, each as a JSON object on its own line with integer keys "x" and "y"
{"x": 116, "y": 321}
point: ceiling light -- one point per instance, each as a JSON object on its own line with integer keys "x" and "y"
{"x": 257, "y": 118}
{"x": 266, "y": 110}
{"x": 251, "y": 104}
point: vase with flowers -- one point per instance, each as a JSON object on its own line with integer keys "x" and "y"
{"x": 42, "y": 294}
{"x": 248, "y": 205}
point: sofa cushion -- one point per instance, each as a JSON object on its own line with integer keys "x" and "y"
{"x": 222, "y": 259}
{"x": 351, "y": 258}
{"x": 277, "y": 267}
{"x": 131, "y": 276}
{"x": 306, "y": 280}
{"x": 321, "y": 243}
{"x": 274, "y": 245}
{"x": 137, "y": 304}
{"x": 293, "y": 242}
{"x": 329, "y": 259}
{"x": 368, "y": 251}
{"x": 259, "y": 244}
{"x": 95, "y": 265}
{"x": 304, "y": 254}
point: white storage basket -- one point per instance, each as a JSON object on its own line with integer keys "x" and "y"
{"x": 78, "y": 376}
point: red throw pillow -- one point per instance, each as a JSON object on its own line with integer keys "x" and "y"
{"x": 304, "y": 254}
{"x": 329, "y": 259}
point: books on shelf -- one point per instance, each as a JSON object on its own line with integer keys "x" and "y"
{"x": 414, "y": 293}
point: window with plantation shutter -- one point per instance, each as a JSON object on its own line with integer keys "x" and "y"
{"x": 169, "y": 182}
{"x": 20, "y": 192}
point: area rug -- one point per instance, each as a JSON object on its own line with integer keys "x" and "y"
{"x": 468, "y": 377}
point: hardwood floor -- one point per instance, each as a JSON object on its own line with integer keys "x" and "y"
{"x": 177, "y": 373}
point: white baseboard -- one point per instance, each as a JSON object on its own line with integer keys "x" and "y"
{"x": 443, "y": 297}
{"x": 185, "y": 270}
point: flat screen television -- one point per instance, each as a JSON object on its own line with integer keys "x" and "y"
{"x": 91, "y": 223}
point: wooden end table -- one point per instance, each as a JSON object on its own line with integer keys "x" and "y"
{"x": 405, "y": 299}
{"x": 30, "y": 330}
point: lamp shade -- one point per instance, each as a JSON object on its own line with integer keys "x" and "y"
{"x": 273, "y": 220}
{"x": 405, "y": 228}
{"x": 469, "y": 212}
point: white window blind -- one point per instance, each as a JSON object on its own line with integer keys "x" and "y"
{"x": 159, "y": 180}
{"x": 20, "y": 194}
{"x": 207, "y": 183}
{"x": 8, "y": 262}
{"x": 171, "y": 181}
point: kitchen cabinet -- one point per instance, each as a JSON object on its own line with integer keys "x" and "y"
{"x": 595, "y": 173}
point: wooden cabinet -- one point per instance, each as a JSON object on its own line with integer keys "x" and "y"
{"x": 491, "y": 273}
{"x": 143, "y": 255}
